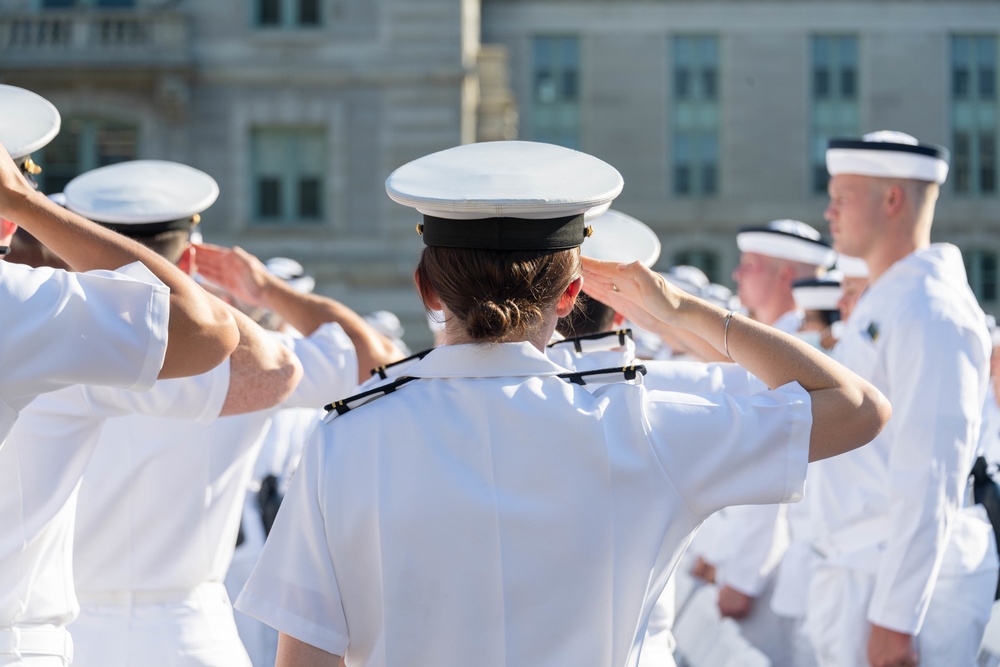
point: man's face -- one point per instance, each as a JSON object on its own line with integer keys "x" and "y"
{"x": 757, "y": 279}
{"x": 853, "y": 213}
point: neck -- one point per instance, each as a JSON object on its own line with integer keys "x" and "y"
{"x": 909, "y": 237}
{"x": 539, "y": 335}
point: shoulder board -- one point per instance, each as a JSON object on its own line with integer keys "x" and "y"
{"x": 382, "y": 371}
{"x": 578, "y": 341}
{"x": 604, "y": 375}
{"x": 351, "y": 402}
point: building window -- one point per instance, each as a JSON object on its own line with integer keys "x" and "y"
{"x": 555, "y": 117}
{"x": 84, "y": 144}
{"x": 289, "y": 175}
{"x": 288, "y": 13}
{"x": 835, "y": 110}
{"x": 981, "y": 266}
{"x": 706, "y": 260}
{"x": 103, "y": 4}
{"x": 974, "y": 114}
{"x": 696, "y": 116}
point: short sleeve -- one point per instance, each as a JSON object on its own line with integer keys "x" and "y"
{"x": 329, "y": 364}
{"x": 198, "y": 398}
{"x": 61, "y": 328}
{"x": 721, "y": 450}
{"x": 294, "y": 586}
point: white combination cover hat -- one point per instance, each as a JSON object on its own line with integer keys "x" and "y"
{"x": 689, "y": 278}
{"x": 817, "y": 294}
{"x": 505, "y": 195}
{"x": 786, "y": 239}
{"x": 888, "y": 154}
{"x": 292, "y": 273}
{"x": 142, "y": 194}
{"x": 27, "y": 121}
{"x": 621, "y": 238}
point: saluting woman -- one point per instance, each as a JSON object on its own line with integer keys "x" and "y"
{"x": 491, "y": 509}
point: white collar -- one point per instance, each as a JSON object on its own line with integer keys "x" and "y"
{"x": 484, "y": 360}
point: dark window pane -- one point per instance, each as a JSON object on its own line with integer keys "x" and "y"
{"x": 960, "y": 83}
{"x": 310, "y": 205}
{"x": 269, "y": 197}
{"x": 569, "y": 91}
{"x": 987, "y": 84}
{"x": 847, "y": 83}
{"x": 309, "y": 12}
{"x": 58, "y": 4}
{"x": 682, "y": 83}
{"x": 708, "y": 83}
{"x": 269, "y": 12}
{"x": 961, "y": 162}
{"x": 987, "y": 162}
{"x": 821, "y": 83}
{"x": 682, "y": 179}
{"x": 821, "y": 178}
{"x": 708, "y": 184}
{"x": 116, "y": 3}
{"x": 988, "y": 276}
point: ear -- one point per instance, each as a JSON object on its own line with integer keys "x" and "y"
{"x": 568, "y": 298}
{"x": 618, "y": 320}
{"x": 7, "y": 229}
{"x": 427, "y": 293}
{"x": 894, "y": 199}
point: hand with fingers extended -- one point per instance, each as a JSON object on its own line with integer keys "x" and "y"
{"x": 639, "y": 294}
{"x": 15, "y": 189}
{"x": 235, "y": 270}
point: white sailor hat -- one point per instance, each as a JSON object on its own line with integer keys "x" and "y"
{"x": 27, "y": 123}
{"x": 292, "y": 273}
{"x": 505, "y": 195}
{"x": 852, "y": 267}
{"x": 621, "y": 238}
{"x": 786, "y": 239}
{"x": 691, "y": 279}
{"x": 817, "y": 294}
{"x": 142, "y": 196}
{"x": 386, "y": 323}
{"x": 888, "y": 154}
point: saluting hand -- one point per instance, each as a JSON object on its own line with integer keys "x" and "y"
{"x": 235, "y": 270}
{"x": 639, "y": 294}
{"x": 14, "y": 187}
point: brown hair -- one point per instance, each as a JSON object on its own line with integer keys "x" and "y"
{"x": 497, "y": 294}
{"x": 590, "y": 316}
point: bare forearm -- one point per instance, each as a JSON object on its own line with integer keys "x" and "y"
{"x": 263, "y": 372}
{"x": 294, "y": 653}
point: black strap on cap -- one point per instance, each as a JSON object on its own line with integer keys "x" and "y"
{"x": 504, "y": 233}
{"x": 4, "y": 249}
{"x": 927, "y": 150}
{"x": 147, "y": 228}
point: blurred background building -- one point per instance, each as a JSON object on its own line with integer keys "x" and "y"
{"x": 716, "y": 113}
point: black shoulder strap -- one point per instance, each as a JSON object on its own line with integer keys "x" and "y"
{"x": 346, "y": 405}
{"x": 577, "y": 341}
{"x": 381, "y": 370}
{"x": 604, "y": 375}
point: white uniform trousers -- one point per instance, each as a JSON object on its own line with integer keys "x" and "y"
{"x": 36, "y": 646}
{"x": 191, "y": 628}
{"x": 959, "y": 608}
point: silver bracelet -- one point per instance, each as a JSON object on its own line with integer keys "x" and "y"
{"x": 725, "y": 333}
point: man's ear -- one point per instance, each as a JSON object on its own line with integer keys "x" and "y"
{"x": 568, "y": 298}
{"x": 894, "y": 199}
{"x": 7, "y": 229}
{"x": 427, "y": 293}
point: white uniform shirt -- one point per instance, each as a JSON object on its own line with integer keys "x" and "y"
{"x": 490, "y": 513}
{"x": 161, "y": 500}
{"x": 61, "y": 328}
{"x": 40, "y": 470}
{"x": 751, "y": 541}
{"x": 919, "y": 336}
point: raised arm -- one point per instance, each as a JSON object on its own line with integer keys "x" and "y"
{"x": 201, "y": 332}
{"x": 847, "y": 411}
{"x": 263, "y": 372}
{"x": 246, "y": 278}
